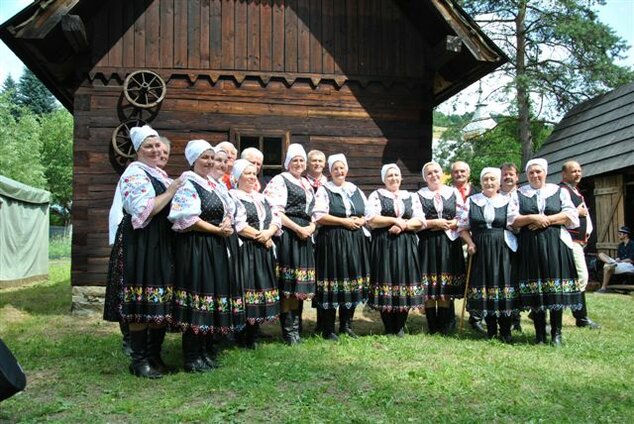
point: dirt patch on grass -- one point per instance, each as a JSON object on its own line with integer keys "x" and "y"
{"x": 9, "y": 314}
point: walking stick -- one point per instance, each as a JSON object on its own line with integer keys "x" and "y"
{"x": 466, "y": 288}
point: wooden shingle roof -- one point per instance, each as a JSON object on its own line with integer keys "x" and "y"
{"x": 599, "y": 134}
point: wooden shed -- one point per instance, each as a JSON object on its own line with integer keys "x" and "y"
{"x": 354, "y": 76}
{"x": 599, "y": 134}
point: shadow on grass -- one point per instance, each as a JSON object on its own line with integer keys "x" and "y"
{"x": 41, "y": 298}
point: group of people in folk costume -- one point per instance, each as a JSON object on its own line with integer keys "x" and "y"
{"x": 209, "y": 254}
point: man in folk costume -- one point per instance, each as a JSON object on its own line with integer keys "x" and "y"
{"x": 460, "y": 174}
{"x": 571, "y": 176}
{"x": 232, "y": 155}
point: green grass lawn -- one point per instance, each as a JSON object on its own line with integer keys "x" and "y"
{"x": 77, "y": 373}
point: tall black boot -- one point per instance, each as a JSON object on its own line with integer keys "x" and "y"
{"x": 556, "y": 317}
{"x": 154, "y": 343}
{"x": 399, "y": 320}
{"x": 432, "y": 319}
{"x": 386, "y": 317}
{"x": 505, "y": 328}
{"x": 192, "y": 353}
{"x": 516, "y": 321}
{"x": 539, "y": 320}
{"x": 451, "y": 317}
{"x": 345, "y": 321}
{"x": 328, "y": 324}
{"x": 125, "y": 344}
{"x": 140, "y": 365}
{"x": 251, "y": 336}
{"x": 286, "y": 322}
{"x": 581, "y": 315}
{"x": 209, "y": 351}
{"x": 492, "y": 326}
{"x": 299, "y": 312}
{"x": 444, "y": 320}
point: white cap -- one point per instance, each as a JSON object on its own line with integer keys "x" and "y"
{"x": 490, "y": 170}
{"x": 386, "y": 168}
{"x": 339, "y": 157}
{"x": 293, "y": 151}
{"x": 238, "y": 168}
{"x": 195, "y": 148}
{"x": 139, "y": 134}
{"x": 543, "y": 163}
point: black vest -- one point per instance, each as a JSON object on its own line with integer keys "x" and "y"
{"x": 336, "y": 206}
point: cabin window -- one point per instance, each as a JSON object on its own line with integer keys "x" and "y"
{"x": 272, "y": 145}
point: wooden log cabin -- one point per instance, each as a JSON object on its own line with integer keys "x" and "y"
{"x": 359, "y": 77}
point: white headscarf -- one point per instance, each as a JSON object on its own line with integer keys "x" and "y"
{"x": 139, "y": 134}
{"x": 195, "y": 148}
{"x": 543, "y": 163}
{"x": 294, "y": 150}
{"x": 490, "y": 170}
{"x": 238, "y": 168}
{"x": 386, "y": 168}
{"x": 339, "y": 157}
{"x": 422, "y": 171}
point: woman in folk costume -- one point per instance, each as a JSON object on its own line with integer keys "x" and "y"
{"x": 546, "y": 270}
{"x": 342, "y": 254}
{"x": 440, "y": 249}
{"x": 291, "y": 196}
{"x": 256, "y": 224}
{"x": 482, "y": 225}
{"x": 204, "y": 301}
{"x": 139, "y": 288}
{"x": 394, "y": 215}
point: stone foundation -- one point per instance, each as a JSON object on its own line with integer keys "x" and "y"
{"x": 88, "y": 300}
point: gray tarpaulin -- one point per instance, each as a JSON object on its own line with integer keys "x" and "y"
{"x": 23, "y": 231}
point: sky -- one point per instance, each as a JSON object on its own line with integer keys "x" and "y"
{"x": 619, "y": 14}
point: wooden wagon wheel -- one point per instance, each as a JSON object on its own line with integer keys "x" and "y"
{"x": 144, "y": 89}
{"x": 121, "y": 141}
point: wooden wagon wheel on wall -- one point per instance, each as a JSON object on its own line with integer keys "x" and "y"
{"x": 144, "y": 89}
{"x": 121, "y": 141}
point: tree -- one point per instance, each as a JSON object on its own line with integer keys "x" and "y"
{"x": 560, "y": 54}
{"x": 57, "y": 158}
{"x": 20, "y": 145}
{"x": 33, "y": 95}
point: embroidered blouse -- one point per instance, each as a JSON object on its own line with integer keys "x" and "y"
{"x": 262, "y": 207}
{"x": 444, "y": 203}
{"x": 277, "y": 193}
{"x": 488, "y": 205}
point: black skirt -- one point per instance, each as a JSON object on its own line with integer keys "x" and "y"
{"x": 295, "y": 264}
{"x": 342, "y": 261}
{"x": 443, "y": 265}
{"x": 261, "y": 295}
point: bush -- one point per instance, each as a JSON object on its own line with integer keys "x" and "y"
{"x": 59, "y": 247}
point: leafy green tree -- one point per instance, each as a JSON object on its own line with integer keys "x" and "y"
{"x": 560, "y": 54}
{"x": 33, "y": 95}
{"x": 20, "y": 145}
{"x": 57, "y": 158}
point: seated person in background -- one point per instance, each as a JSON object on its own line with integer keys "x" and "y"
{"x": 623, "y": 264}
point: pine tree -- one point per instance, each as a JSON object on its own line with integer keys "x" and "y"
{"x": 33, "y": 95}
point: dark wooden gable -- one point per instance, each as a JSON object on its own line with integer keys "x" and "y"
{"x": 599, "y": 134}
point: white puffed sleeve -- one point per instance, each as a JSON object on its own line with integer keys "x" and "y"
{"x": 373, "y": 206}
{"x": 417, "y": 210}
{"x": 569, "y": 209}
{"x": 276, "y": 193}
{"x": 185, "y": 210}
{"x": 137, "y": 195}
{"x": 240, "y": 216}
{"x": 115, "y": 216}
{"x": 322, "y": 204}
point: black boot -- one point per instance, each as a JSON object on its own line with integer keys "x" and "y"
{"x": 140, "y": 365}
{"x": 386, "y": 317}
{"x": 451, "y": 317}
{"x": 345, "y": 321}
{"x": 192, "y": 353}
{"x": 492, "y": 326}
{"x": 444, "y": 320}
{"x": 581, "y": 315}
{"x": 539, "y": 320}
{"x": 318, "y": 324}
{"x": 251, "y": 339}
{"x": 299, "y": 311}
{"x": 432, "y": 320}
{"x": 125, "y": 344}
{"x": 209, "y": 351}
{"x": 475, "y": 320}
{"x": 516, "y": 321}
{"x": 154, "y": 343}
{"x": 328, "y": 324}
{"x": 286, "y": 322}
{"x": 399, "y": 320}
{"x": 555, "y": 327}
{"x": 505, "y": 328}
